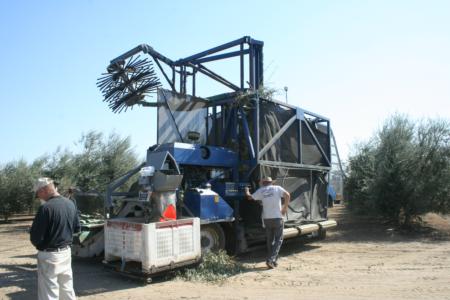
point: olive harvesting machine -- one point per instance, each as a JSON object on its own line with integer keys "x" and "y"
{"x": 208, "y": 150}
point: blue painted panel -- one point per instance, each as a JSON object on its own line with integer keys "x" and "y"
{"x": 207, "y": 205}
{"x": 200, "y": 155}
{"x": 230, "y": 190}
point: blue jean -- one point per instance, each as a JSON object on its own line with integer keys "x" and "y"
{"x": 274, "y": 237}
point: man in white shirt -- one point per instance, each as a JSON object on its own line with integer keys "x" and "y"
{"x": 270, "y": 196}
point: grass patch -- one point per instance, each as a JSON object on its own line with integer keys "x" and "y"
{"x": 215, "y": 267}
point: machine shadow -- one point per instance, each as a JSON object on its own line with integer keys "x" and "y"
{"x": 23, "y": 276}
{"x": 289, "y": 247}
{"x": 91, "y": 277}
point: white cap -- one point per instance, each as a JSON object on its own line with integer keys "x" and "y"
{"x": 267, "y": 179}
{"x": 40, "y": 183}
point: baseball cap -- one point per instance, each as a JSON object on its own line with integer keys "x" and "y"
{"x": 40, "y": 183}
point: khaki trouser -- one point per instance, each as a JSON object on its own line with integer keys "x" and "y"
{"x": 55, "y": 275}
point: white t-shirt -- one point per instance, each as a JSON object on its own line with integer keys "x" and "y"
{"x": 270, "y": 195}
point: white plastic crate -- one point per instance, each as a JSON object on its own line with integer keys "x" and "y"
{"x": 155, "y": 245}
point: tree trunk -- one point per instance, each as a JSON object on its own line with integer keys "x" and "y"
{"x": 407, "y": 220}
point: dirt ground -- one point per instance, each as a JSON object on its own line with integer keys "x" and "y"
{"x": 361, "y": 259}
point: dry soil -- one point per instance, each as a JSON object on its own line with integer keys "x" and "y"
{"x": 362, "y": 259}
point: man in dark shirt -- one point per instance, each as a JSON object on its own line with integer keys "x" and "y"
{"x": 51, "y": 233}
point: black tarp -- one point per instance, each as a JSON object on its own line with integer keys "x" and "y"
{"x": 177, "y": 115}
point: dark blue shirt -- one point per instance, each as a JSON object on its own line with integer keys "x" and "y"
{"x": 55, "y": 223}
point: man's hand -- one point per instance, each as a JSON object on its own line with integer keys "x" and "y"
{"x": 287, "y": 199}
{"x": 247, "y": 193}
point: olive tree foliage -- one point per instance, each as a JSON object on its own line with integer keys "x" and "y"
{"x": 58, "y": 166}
{"x": 403, "y": 171}
{"x": 98, "y": 161}
{"x": 359, "y": 182}
{"x": 102, "y": 160}
{"x": 16, "y": 196}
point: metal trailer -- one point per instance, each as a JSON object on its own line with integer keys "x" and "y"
{"x": 216, "y": 146}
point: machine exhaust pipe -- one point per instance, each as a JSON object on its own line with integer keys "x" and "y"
{"x": 328, "y": 224}
{"x": 290, "y": 233}
{"x": 300, "y": 230}
{"x": 308, "y": 228}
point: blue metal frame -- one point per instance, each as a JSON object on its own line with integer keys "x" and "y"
{"x": 194, "y": 64}
{"x": 233, "y": 115}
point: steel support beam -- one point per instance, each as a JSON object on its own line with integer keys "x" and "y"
{"x": 191, "y": 58}
{"x": 146, "y": 49}
{"x": 277, "y": 136}
{"x": 248, "y": 137}
{"x": 118, "y": 182}
{"x": 241, "y": 61}
{"x": 221, "y": 56}
{"x": 202, "y": 69}
{"x": 281, "y": 164}
{"x": 317, "y": 143}
{"x": 171, "y": 83}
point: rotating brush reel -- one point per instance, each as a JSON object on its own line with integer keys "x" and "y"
{"x": 127, "y": 83}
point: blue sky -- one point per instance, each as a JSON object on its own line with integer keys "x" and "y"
{"x": 355, "y": 62}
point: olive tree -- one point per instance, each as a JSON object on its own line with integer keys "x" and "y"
{"x": 16, "y": 196}
{"x": 98, "y": 161}
{"x": 403, "y": 172}
{"x": 102, "y": 160}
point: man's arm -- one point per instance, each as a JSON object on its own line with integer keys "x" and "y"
{"x": 287, "y": 199}
{"x": 247, "y": 193}
{"x": 76, "y": 223}
{"x": 39, "y": 228}
{"x": 256, "y": 196}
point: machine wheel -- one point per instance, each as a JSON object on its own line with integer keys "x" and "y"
{"x": 212, "y": 238}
